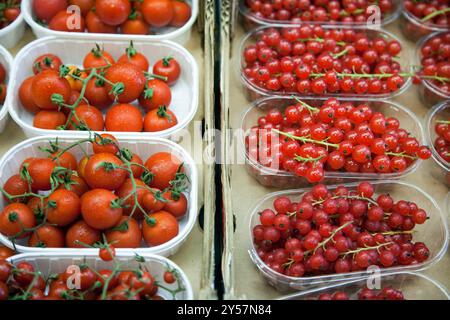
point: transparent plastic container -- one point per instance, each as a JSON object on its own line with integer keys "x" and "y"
{"x": 281, "y": 179}
{"x": 253, "y": 92}
{"x": 185, "y": 93}
{"x": 413, "y": 28}
{"x": 250, "y": 21}
{"x": 53, "y": 263}
{"x": 7, "y": 61}
{"x": 11, "y": 35}
{"x": 447, "y": 204}
{"x": 10, "y": 164}
{"x": 430, "y": 94}
{"x": 434, "y": 233}
{"x": 180, "y": 35}
{"x": 441, "y": 170}
{"x": 414, "y": 286}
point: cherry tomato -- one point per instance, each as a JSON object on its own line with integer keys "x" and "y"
{"x": 113, "y": 12}
{"x": 168, "y": 67}
{"x": 157, "y": 13}
{"x": 169, "y": 277}
{"x": 108, "y": 253}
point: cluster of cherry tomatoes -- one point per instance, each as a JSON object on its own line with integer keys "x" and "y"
{"x": 2, "y": 83}
{"x": 68, "y": 97}
{"x": 297, "y": 11}
{"x": 387, "y": 293}
{"x": 337, "y": 136}
{"x": 442, "y": 142}
{"x": 108, "y": 199}
{"x": 313, "y": 60}
{"x": 435, "y": 12}
{"x": 435, "y": 61}
{"x": 338, "y": 231}
{"x": 9, "y": 11}
{"x": 112, "y": 16}
{"x": 22, "y": 281}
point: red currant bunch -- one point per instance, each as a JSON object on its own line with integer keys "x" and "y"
{"x": 387, "y": 293}
{"x": 337, "y": 136}
{"x": 435, "y": 12}
{"x": 435, "y": 61}
{"x": 296, "y": 11}
{"x": 311, "y": 60}
{"x": 442, "y": 142}
{"x": 338, "y": 231}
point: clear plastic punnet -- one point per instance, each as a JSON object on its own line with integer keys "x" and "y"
{"x": 251, "y": 21}
{"x": 440, "y": 111}
{"x": 254, "y": 92}
{"x": 429, "y": 93}
{"x": 185, "y": 93}
{"x": 414, "y": 286}
{"x": 57, "y": 262}
{"x": 413, "y": 28}
{"x": 10, "y": 164}
{"x": 7, "y": 62}
{"x": 434, "y": 233}
{"x": 180, "y": 35}
{"x": 271, "y": 177}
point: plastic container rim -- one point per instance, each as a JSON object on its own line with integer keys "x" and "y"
{"x": 425, "y": 82}
{"x": 14, "y": 24}
{"x": 413, "y": 19}
{"x": 430, "y": 128}
{"x": 351, "y": 275}
{"x": 245, "y": 12}
{"x": 9, "y": 59}
{"x": 173, "y": 243}
{"x": 331, "y": 174}
{"x": 364, "y": 97}
{"x": 164, "y": 133}
{"x": 27, "y": 15}
{"x": 120, "y": 255}
{"x": 439, "y": 286}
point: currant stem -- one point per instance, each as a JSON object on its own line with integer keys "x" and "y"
{"x": 402, "y": 154}
{"x": 437, "y": 78}
{"x": 303, "y": 159}
{"x": 391, "y": 233}
{"x": 435, "y": 13}
{"x": 340, "y": 54}
{"x": 366, "y": 249}
{"x": 324, "y": 242}
{"x": 339, "y": 43}
{"x": 371, "y": 201}
{"x": 303, "y": 139}
{"x": 364, "y": 75}
{"x": 304, "y": 104}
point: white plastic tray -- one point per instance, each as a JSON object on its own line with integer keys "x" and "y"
{"x": 12, "y": 34}
{"x": 53, "y": 263}
{"x": 11, "y": 161}
{"x": 184, "y": 93}
{"x": 180, "y": 35}
{"x": 7, "y": 61}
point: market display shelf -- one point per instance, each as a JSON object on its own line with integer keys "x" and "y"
{"x": 241, "y": 190}
{"x": 196, "y": 255}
